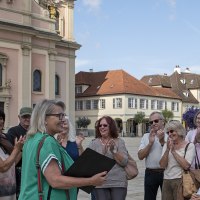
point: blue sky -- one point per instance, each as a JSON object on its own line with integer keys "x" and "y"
{"x": 142, "y": 37}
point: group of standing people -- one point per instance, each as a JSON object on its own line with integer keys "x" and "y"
{"x": 45, "y": 138}
{"x": 167, "y": 152}
{"x": 46, "y": 141}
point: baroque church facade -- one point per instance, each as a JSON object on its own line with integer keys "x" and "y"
{"x": 37, "y": 54}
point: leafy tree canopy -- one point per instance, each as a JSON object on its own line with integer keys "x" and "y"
{"x": 139, "y": 117}
{"x": 83, "y": 122}
{"x": 168, "y": 115}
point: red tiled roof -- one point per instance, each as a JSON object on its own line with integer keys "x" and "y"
{"x": 118, "y": 82}
{"x": 178, "y": 87}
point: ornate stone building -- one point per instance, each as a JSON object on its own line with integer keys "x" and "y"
{"x": 37, "y": 54}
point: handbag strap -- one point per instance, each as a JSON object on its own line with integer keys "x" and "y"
{"x": 40, "y": 190}
{"x": 39, "y": 174}
{"x": 197, "y": 164}
{"x": 186, "y": 147}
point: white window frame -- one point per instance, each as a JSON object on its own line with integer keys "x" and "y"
{"x": 78, "y": 89}
{"x": 88, "y": 104}
{"x": 175, "y": 106}
{"x": 117, "y": 103}
{"x": 143, "y": 103}
{"x": 94, "y": 104}
{"x": 102, "y": 103}
{"x": 132, "y": 102}
{"x": 154, "y": 104}
{"x": 78, "y": 105}
{"x": 161, "y": 105}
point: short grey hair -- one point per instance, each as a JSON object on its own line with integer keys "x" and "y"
{"x": 158, "y": 113}
{"x": 177, "y": 126}
{"x": 39, "y": 113}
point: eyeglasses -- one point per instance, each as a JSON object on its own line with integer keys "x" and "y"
{"x": 171, "y": 131}
{"x": 154, "y": 121}
{"x": 59, "y": 115}
{"x": 104, "y": 125}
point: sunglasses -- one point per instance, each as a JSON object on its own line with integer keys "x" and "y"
{"x": 171, "y": 131}
{"x": 59, "y": 115}
{"x": 104, "y": 125}
{"x": 154, "y": 121}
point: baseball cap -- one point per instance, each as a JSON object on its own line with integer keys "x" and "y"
{"x": 25, "y": 111}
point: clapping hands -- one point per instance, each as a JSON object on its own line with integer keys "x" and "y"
{"x": 19, "y": 143}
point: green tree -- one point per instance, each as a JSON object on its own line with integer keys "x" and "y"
{"x": 139, "y": 117}
{"x": 168, "y": 115}
{"x": 83, "y": 122}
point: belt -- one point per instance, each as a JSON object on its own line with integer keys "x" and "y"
{"x": 157, "y": 170}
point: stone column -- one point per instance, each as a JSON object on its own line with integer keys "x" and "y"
{"x": 51, "y": 75}
{"x": 69, "y": 21}
{"x": 124, "y": 128}
{"x": 70, "y": 97}
{"x": 25, "y": 86}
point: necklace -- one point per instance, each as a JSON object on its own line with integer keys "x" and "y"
{"x": 104, "y": 142}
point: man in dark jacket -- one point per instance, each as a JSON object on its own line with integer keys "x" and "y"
{"x": 17, "y": 131}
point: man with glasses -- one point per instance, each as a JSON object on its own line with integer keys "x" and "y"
{"x": 150, "y": 149}
{"x": 17, "y": 131}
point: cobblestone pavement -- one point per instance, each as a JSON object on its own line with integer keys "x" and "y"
{"x": 135, "y": 186}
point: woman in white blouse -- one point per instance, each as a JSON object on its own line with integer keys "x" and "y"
{"x": 173, "y": 160}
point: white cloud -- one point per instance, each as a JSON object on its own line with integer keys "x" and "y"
{"x": 172, "y": 5}
{"x": 93, "y": 4}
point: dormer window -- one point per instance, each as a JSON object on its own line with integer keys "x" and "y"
{"x": 78, "y": 89}
{"x": 150, "y": 80}
{"x": 183, "y": 81}
{"x": 186, "y": 93}
{"x": 191, "y": 82}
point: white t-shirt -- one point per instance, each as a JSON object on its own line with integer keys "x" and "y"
{"x": 174, "y": 170}
{"x": 153, "y": 159}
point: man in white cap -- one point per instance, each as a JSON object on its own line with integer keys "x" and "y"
{"x": 17, "y": 131}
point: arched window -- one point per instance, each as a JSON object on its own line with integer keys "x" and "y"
{"x": 57, "y": 85}
{"x": 1, "y": 74}
{"x": 37, "y": 81}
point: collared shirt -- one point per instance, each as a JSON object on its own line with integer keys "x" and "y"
{"x": 153, "y": 159}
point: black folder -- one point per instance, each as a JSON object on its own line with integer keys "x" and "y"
{"x": 88, "y": 164}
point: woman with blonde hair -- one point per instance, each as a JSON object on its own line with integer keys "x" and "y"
{"x": 175, "y": 158}
{"x": 44, "y": 179}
